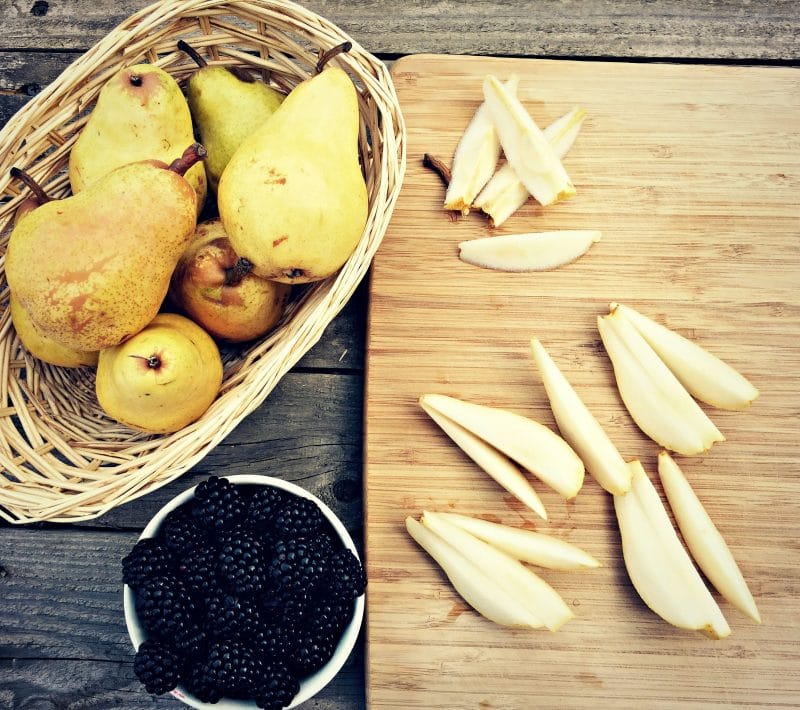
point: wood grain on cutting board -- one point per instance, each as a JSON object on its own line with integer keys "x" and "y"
{"x": 693, "y": 175}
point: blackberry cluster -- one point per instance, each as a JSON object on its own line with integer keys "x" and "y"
{"x": 244, "y": 592}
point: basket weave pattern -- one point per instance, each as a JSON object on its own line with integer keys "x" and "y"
{"x": 61, "y": 458}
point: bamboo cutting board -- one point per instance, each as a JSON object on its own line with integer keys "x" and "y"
{"x": 693, "y": 175}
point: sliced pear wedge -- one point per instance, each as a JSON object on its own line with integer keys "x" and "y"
{"x": 704, "y": 375}
{"x": 504, "y": 194}
{"x": 532, "y": 251}
{"x": 655, "y": 399}
{"x": 531, "y": 444}
{"x": 520, "y": 582}
{"x": 658, "y": 565}
{"x": 496, "y": 464}
{"x": 525, "y": 545}
{"x": 704, "y": 541}
{"x": 476, "y": 157}
{"x": 579, "y": 427}
{"x": 477, "y": 587}
{"x": 527, "y": 150}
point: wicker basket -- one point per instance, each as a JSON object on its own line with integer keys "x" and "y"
{"x": 61, "y": 458}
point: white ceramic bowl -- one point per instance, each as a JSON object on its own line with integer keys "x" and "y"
{"x": 311, "y": 685}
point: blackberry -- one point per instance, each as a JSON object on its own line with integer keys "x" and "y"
{"x": 157, "y": 666}
{"x": 233, "y": 668}
{"x": 299, "y": 517}
{"x": 311, "y": 653}
{"x": 240, "y": 564}
{"x": 198, "y": 570}
{"x": 180, "y": 531}
{"x": 164, "y": 606}
{"x": 200, "y": 686}
{"x": 288, "y": 606}
{"x": 263, "y": 505}
{"x": 229, "y": 616}
{"x": 277, "y": 688}
{"x": 147, "y": 559}
{"x": 329, "y": 617}
{"x": 297, "y": 565}
{"x": 346, "y": 578}
{"x": 274, "y": 642}
{"x": 191, "y": 639}
{"x": 218, "y": 504}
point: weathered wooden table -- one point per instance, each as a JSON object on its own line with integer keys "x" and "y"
{"x": 63, "y": 642}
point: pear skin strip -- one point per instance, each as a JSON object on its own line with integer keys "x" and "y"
{"x": 475, "y": 159}
{"x": 703, "y": 374}
{"x": 531, "y": 444}
{"x": 655, "y": 399}
{"x": 504, "y": 194}
{"x": 497, "y": 465}
{"x": 526, "y": 148}
{"x": 579, "y": 427}
{"x": 523, "y": 584}
{"x": 532, "y": 251}
{"x": 479, "y": 590}
{"x": 704, "y": 540}
{"x": 658, "y": 565}
{"x": 525, "y": 545}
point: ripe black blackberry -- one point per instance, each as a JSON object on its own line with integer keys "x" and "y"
{"x": 181, "y": 532}
{"x": 311, "y": 652}
{"x": 191, "y": 639}
{"x": 164, "y": 606}
{"x": 199, "y": 685}
{"x": 274, "y": 641}
{"x": 288, "y": 606}
{"x": 198, "y": 570}
{"x": 297, "y": 565}
{"x": 149, "y": 558}
{"x": 229, "y": 616}
{"x": 346, "y": 578}
{"x": 233, "y": 668}
{"x": 218, "y": 503}
{"x": 298, "y": 517}
{"x": 157, "y": 666}
{"x": 240, "y": 564}
{"x": 263, "y": 505}
{"x": 278, "y": 687}
{"x": 328, "y": 617}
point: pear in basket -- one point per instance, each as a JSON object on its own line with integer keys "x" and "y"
{"x": 93, "y": 269}
{"x": 217, "y": 289}
{"x": 293, "y": 198}
{"x": 141, "y": 114}
{"x": 212, "y": 91}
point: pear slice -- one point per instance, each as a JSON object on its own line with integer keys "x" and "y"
{"x": 476, "y": 157}
{"x": 497, "y": 465}
{"x": 533, "y": 251}
{"x": 658, "y": 565}
{"x": 579, "y": 427}
{"x": 520, "y": 582}
{"x": 525, "y": 545}
{"x": 655, "y": 399}
{"x": 527, "y": 150}
{"x": 477, "y": 587}
{"x": 504, "y": 194}
{"x": 704, "y": 375}
{"x": 531, "y": 444}
{"x": 704, "y": 541}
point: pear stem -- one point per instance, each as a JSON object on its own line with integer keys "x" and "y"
{"x": 193, "y": 53}
{"x": 153, "y": 361}
{"x": 438, "y": 166}
{"x": 38, "y": 193}
{"x": 329, "y": 54}
{"x": 193, "y": 154}
{"x": 238, "y": 271}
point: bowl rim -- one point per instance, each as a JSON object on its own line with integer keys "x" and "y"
{"x": 309, "y": 686}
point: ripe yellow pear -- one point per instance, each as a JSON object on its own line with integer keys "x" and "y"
{"x": 293, "y": 198}
{"x": 218, "y": 290}
{"x": 93, "y": 269}
{"x": 162, "y": 378}
{"x": 141, "y": 114}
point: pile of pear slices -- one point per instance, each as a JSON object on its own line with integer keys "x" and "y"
{"x": 533, "y": 168}
{"x": 657, "y": 371}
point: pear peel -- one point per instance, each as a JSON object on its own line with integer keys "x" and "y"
{"x": 532, "y": 251}
{"x": 704, "y": 375}
{"x": 531, "y": 444}
{"x": 704, "y": 540}
{"x": 658, "y": 565}
{"x": 494, "y": 463}
{"x": 524, "y": 545}
{"x": 478, "y": 589}
{"x": 580, "y": 428}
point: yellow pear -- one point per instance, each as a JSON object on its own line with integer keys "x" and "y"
{"x": 218, "y": 290}
{"x": 162, "y": 378}
{"x": 93, "y": 269}
{"x": 293, "y": 198}
{"x": 141, "y": 114}
{"x": 44, "y": 348}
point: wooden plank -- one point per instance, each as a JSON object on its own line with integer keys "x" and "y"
{"x": 692, "y": 175}
{"x": 695, "y": 29}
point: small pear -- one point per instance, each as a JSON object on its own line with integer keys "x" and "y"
{"x": 93, "y": 269}
{"x": 141, "y": 114}
{"x": 211, "y": 92}
{"x": 293, "y": 198}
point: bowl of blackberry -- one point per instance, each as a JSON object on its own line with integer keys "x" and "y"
{"x": 242, "y": 592}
